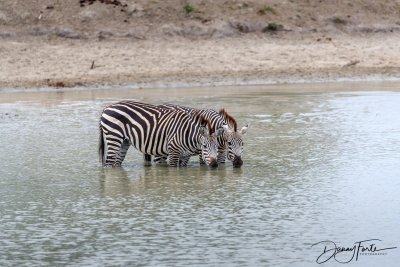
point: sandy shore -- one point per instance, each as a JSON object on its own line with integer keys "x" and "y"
{"x": 143, "y": 43}
{"x": 177, "y": 61}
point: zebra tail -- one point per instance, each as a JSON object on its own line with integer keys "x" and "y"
{"x": 101, "y": 147}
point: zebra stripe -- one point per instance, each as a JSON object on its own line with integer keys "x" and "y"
{"x": 155, "y": 131}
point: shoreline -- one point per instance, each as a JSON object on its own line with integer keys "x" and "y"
{"x": 51, "y": 95}
{"x": 367, "y": 83}
{"x": 179, "y": 62}
{"x": 371, "y": 79}
{"x": 318, "y": 77}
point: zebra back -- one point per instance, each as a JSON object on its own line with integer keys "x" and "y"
{"x": 217, "y": 121}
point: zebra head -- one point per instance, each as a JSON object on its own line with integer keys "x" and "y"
{"x": 234, "y": 142}
{"x": 233, "y": 138}
{"x": 209, "y": 144}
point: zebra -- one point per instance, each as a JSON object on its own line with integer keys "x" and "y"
{"x": 230, "y": 143}
{"x": 155, "y": 131}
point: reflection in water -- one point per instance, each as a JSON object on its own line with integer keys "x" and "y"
{"x": 125, "y": 181}
{"x": 317, "y": 165}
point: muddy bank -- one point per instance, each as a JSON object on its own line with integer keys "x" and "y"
{"x": 173, "y": 43}
{"x": 173, "y": 62}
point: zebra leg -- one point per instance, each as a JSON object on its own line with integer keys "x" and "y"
{"x": 173, "y": 159}
{"x": 113, "y": 146}
{"x": 147, "y": 159}
{"x": 202, "y": 162}
{"x": 183, "y": 161}
{"x": 120, "y": 156}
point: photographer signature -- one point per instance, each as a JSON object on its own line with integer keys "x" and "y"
{"x": 347, "y": 254}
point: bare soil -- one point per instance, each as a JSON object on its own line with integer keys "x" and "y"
{"x": 174, "y": 42}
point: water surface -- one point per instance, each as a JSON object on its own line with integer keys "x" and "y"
{"x": 321, "y": 162}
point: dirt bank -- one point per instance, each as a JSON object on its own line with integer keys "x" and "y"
{"x": 86, "y": 42}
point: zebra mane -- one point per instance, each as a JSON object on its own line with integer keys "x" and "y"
{"x": 231, "y": 121}
{"x": 203, "y": 121}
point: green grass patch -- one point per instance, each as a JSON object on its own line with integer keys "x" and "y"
{"x": 266, "y": 10}
{"x": 338, "y": 20}
{"x": 188, "y": 8}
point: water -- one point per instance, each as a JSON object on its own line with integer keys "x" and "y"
{"x": 320, "y": 163}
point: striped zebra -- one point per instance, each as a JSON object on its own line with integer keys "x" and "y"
{"x": 230, "y": 143}
{"x": 155, "y": 131}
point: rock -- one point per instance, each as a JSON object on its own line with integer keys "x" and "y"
{"x": 104, "y": 35}
{"x": 134, "y": 10}
{"x": 242, "y": 27}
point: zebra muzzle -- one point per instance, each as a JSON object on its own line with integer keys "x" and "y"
{"x": 213, "y": 163}
{"x": 237, "y": 162}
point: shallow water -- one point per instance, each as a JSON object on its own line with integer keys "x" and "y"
{"x": 321, "y": 162}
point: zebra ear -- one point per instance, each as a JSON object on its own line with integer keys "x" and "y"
{"x": 225, "y": 127}
{"x": 243, "y": 131}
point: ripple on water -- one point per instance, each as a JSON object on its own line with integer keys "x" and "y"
{"x": 315, "y": 167}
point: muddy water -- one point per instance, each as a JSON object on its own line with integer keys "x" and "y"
{"x": 321, "y": 162}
